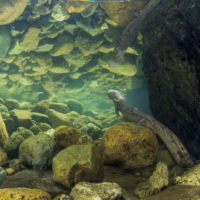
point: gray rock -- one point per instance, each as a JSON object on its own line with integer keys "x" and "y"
{"x": 5, "y": 115}
{"x": 41, "y": 10}
{"x": 2, "y": 101}
{"x": 23, "y": 118}
{"x": 88, "y": 11}
{"x": 11, "y": 104}
{"x": 157, "y": 182}
{"x": 43, "y": 126}
{"x": 35, "y": 129}
{"x": 3, "y": 175}
{"x": 41, "y": 107}
{"x": 84, "y": 120}
{"x": 74, "y": 105}
{"x": 59, "y": 13}
{"x": 73, "y": 115}
{"x": 89, "y": 25}
{"x": 59, "y": 107}
{"x": 59, "y": 24}
{"x": 3, "y": 108}
{"x": 60, "y": 66}
{"x": 32, "y": 17}
{"x": 25, "y": 106}
{"x": 76, "y": 57}
{"x": 37, "y": 150}
{"x": 64, "y": 45}
{"x": 11, "y": 125}
{"x": 15, "y": 164}
{"x": 72, "y": 28}
{"x": 35, "y": 179}
{"x": 3, "y": 157}
{"x": 57, "y": 119}
{"x": 11, "y": 10}
{"x": 18, "y": 27}
{"x": 45, "y": 24}
{"x": 45, "y": 45}
{"x": 103, "y": 191}
{"x": 88, "y": 44}
{"x": 38, "y": 117}
{"x": 16, "y": 139}
{"x": 94, "y": 131}
{"x": 189, "y": 177}
{"x": 28, "y": 42}
{"x": 5, "y": 41}
{"x": 112, "y": 120}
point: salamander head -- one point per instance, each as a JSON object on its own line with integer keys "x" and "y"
{"x": 114, "y": 94}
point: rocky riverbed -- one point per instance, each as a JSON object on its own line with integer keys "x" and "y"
{"x": 56, "y": 150}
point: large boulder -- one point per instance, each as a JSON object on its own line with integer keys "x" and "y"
{"x": 78, "y": 163}
{"x": 171, "y": 56}
{"x": 129, "y": 145}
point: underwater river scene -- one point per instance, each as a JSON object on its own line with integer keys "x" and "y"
{"x": 99, "y": 99}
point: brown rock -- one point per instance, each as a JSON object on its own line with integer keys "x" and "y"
{"x": 10, "y": 171}
{"x": 76, "y": 6}
{"x": 3, "y": 132}
{"x": 24, "y": 193}
{"x": 11, "y": 10}
{"x": 122, "y": 12}
{"x": 66, "y": 136}
{"x": 129, "y": 145}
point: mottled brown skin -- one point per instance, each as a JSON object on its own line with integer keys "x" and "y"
{"x": 130, "y": 33}
{"x": 172, "y": 142}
